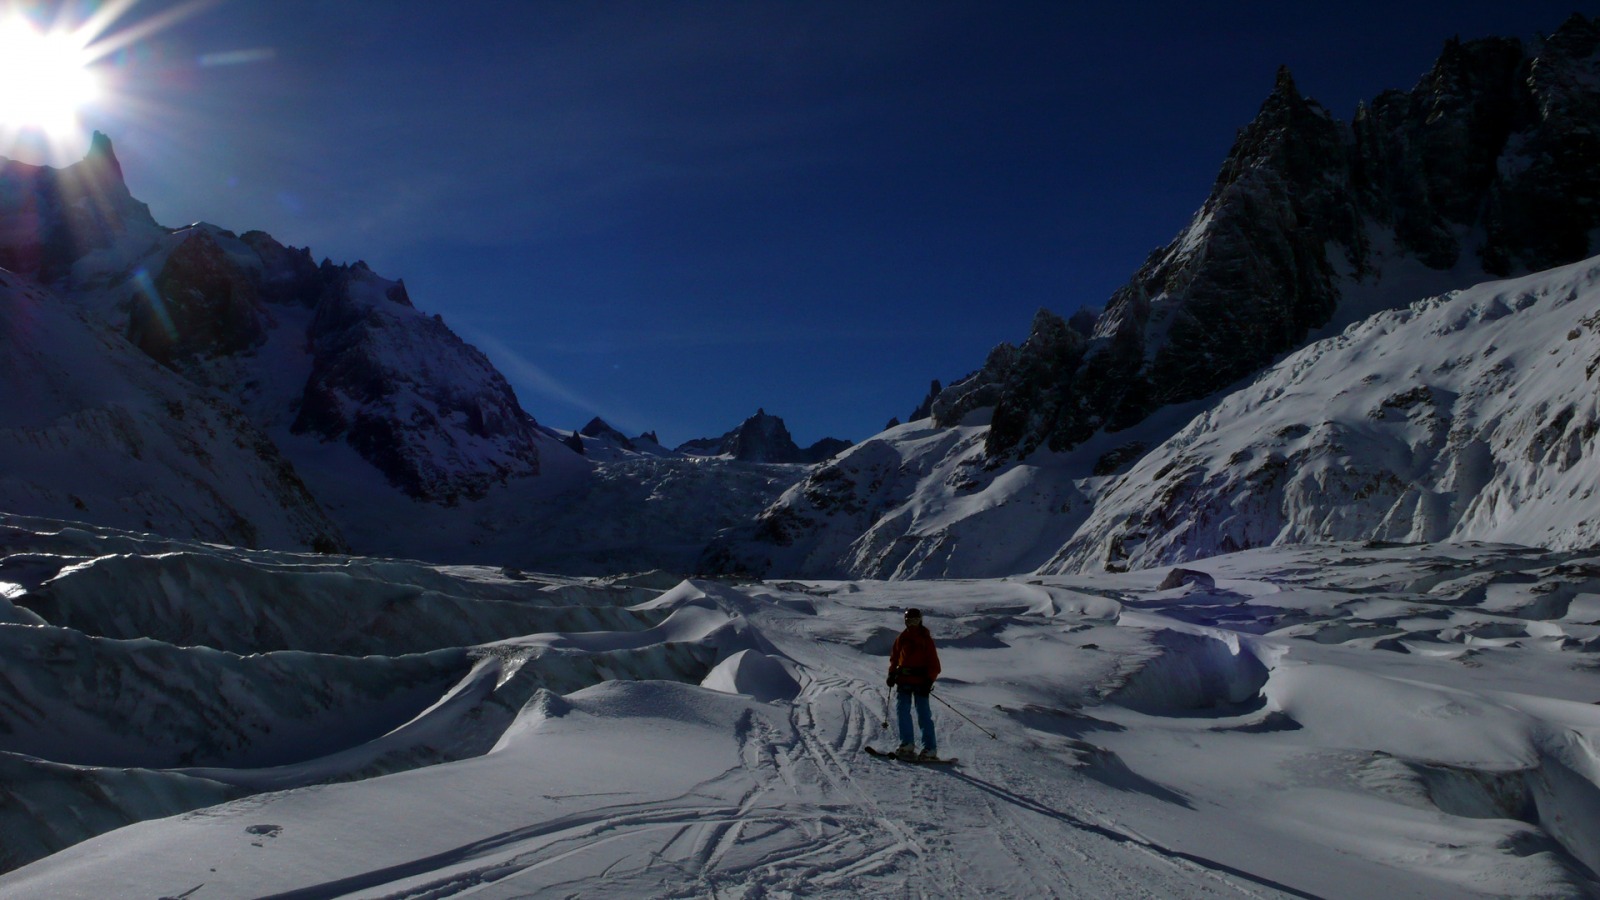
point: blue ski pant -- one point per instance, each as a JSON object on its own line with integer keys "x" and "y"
{"x": 924, "y": 719}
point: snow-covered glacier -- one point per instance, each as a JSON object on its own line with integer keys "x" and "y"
{"x": 189, "y": 719}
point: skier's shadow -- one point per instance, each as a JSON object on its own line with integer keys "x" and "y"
{"x": 1120, "y": 837}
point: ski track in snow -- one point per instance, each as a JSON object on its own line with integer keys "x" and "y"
{"x": 845, "y": 842}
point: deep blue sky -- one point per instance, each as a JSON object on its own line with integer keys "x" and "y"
{"x": 672, "y": 213}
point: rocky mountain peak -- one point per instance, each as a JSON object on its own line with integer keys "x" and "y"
{"x": 763, "y": 438}
{"x": 426, "y": 408}
{"x": 103, "y": 160}
{"x": 397, "y": 386}
{"x": 50, "y": 217}
{"x": 1577, "y": 39}
{"x": 600, "y": 428}
{"x": 1283, "y": 85}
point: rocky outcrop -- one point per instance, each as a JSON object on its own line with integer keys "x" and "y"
{"x": 426, "y": 408}
{"x": 1542, "y": 209}
{"x": 824, "y": 450}
{"x": 761, "y": 438}
{"x": 201, "y": 303}
{"x": 600, "y": 428}
{"x": 925, "y": 408}
{"x": 1492, "y": 159}
{"x": 289, "y": 276}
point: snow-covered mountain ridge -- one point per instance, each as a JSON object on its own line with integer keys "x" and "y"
{"x": 308, "y": 357}
{"x": 1471, "y": 415}
{"x": 1486, "y": 166}
{"x": 264, "y": 400}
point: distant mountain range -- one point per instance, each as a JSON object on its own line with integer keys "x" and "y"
{"x": 762, "y": 438}
{"x": 201, "y": 383}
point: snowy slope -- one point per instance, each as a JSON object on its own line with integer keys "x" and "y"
{"x": 1313, "y": 721}
{"x": 91, "y": 428}
{"x": 1466, "y": 416}
{"x": 201, "y": 383}
{"x": 920, "y": 501}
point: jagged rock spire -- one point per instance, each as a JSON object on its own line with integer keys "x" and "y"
{"x": 101, "y": 154}
{"x": 1284, "y": 84}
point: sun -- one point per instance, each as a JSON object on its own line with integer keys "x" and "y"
{"x": 46, "y": 79}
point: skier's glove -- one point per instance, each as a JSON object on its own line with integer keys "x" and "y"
{"x": 890, "y": 681}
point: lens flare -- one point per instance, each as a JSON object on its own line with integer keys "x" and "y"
{"x": 45, "y": 79}
{"x": 68, "y": 67}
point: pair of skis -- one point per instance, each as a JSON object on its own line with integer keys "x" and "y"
{"x": 873, "y": 751}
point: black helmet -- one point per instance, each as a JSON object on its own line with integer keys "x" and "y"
{"x": 913, "y": 613}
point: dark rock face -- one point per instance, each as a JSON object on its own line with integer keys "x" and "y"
{"x": 424, "y": 407}
{"x": 600, "y": 428}
{"x": 200, "y": 304}
{"x": 702, "y": 446}
{"x": 51, "y": 217}
{"x": 1541, "y": 211}
{"x": 288, "y": 275}
{"x": 925, "y": 408}
{"x": 1424, "y": 160}
{"x": 763, "y": 439}
{"x": 1179, "y": 577}
{"x": 1496, "y": 141}
{"x": 825, "y": 449}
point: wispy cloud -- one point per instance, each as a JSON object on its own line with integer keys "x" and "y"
{"x": 533, "y": 381}
{"x": 239, "y": 57}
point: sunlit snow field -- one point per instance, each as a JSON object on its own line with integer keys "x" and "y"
{"x": 1339, "y": 720}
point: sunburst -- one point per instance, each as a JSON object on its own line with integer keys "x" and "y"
{"x": 54, "y": 72}
{"x": 45, "y": 79}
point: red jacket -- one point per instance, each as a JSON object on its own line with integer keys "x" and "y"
{"x": 913, "y": 661}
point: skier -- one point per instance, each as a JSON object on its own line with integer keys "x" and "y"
{"x": 913, "y": 666}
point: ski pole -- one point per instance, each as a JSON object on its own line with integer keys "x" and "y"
{"x": 885, "y": 709}
{"x": 963, "y": 715}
